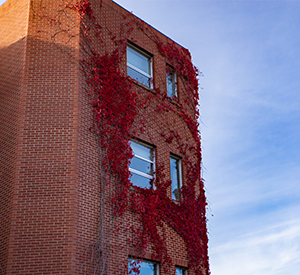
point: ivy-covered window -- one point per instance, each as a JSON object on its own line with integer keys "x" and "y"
{"x": 171, "y": 82}
{"x": 142, "y": 165}
{"x": 181, "y": 271}
{"x": 142, "y": 267}
{"x": 175, "y": 167}
{"x": 139, "y": 65}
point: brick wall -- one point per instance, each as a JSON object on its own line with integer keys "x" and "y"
{"x": 51, "y": 188}
{"x": 123, "y": 240}
{"x": 13, "y": 29}
{"x": 42, "y": 118}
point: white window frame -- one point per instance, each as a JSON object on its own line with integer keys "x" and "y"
{"x": 156, "y": 265}
{"x": 151, "y": 177}
{"x": 150, "y": 76}
{"x": 178, "y": 159}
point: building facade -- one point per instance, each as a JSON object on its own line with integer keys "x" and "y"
{"x": 100, "y": 149}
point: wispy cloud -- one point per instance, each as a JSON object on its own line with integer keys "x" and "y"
{"x": 270, "y": 251}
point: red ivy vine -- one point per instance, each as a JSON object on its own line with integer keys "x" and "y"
{"x": 116, "y": 106}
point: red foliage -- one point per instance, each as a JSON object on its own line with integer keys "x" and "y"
{"x": 115, "y": 106}
{"x": 114, "y": 109}
{"x": 83, "y": 7}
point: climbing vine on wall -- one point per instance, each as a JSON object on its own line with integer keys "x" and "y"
{"x": 117, "y": 109}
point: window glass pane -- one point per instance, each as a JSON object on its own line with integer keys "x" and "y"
{"x": 138, "y": 76}
{"x": 140, "y": 181}
{"x": 171, "y": 88}
{"x": 138, "y": 60}
{"x": 141, "y": 165}
{"x": 145, "y": 269}
{"x": 141, "y": 150}
{"x": 179, "y": 271}
{"x": 142, "y": 162}
{"x": 174, "y": 165}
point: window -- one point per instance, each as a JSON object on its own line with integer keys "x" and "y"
{"x": 142, "y": 165}
{"x": 171, "y": 82}
{"x": 139, "y": 65}
{"x": 145, "y": 268}
{"x": 175, "y": 167}
{"x": 180, "y": 271}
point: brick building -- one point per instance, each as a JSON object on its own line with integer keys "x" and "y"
{"x": 60, "y": 203}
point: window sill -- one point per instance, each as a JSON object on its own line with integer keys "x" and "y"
{"x": 141, "y": 190}
{"x": 143, "y": 86}
{"x": 173, "y": 101}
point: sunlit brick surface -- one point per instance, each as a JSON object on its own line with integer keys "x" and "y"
{"x": 50, "y": 191}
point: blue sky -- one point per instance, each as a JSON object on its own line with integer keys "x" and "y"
{"x": 249, "y": 53}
